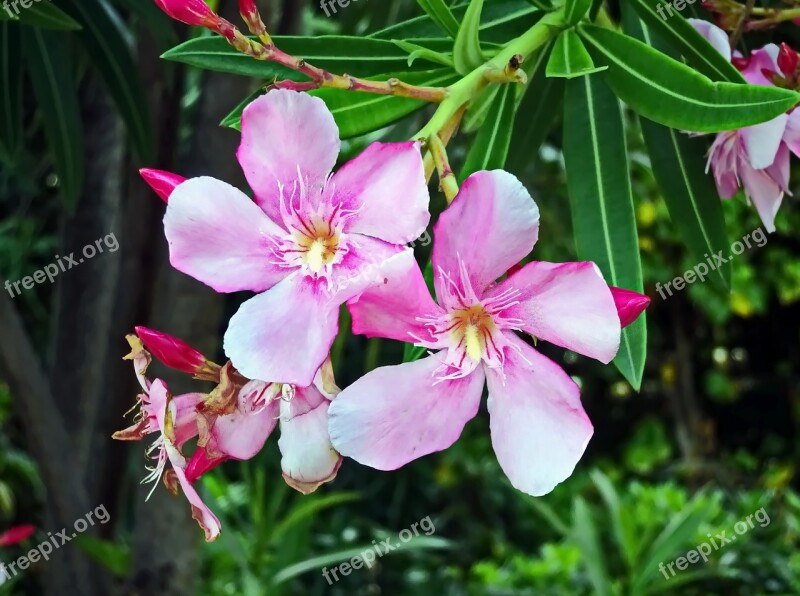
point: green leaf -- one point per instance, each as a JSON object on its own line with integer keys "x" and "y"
{"x": 675, "y": 95}
{"x": 417, "y": 51}
{"x": 51, "y": 75}
{"x": 489, "y": 149}
{"x": 45, "y": 15}
{"x": 441, "y": 15}
{"x": 584, "y": 534}
{"x": 478, "y": 108}
{"x": 691, "y": 196}
{"x": 501, "y": 20}
{"x": 357, "y": 113}
{"x": 603, "y": 219}
{"x": 575, "y": 10}
{"x": 114, "y": 557}
{"x": 154, "y": 19}
{"x": 467, "y": 53}
{"x": 10, "y": 90}
{"x": 569, "y": 58}
{"x": 539, "y": 110}
{"x": 685, "y": 39}
{"x": 671, "y": 542}
{"x": 103, "y": 36}
{"x": 308, "y": 508}
{"x": 624, "y": 530}
{"x": 358, "y": 56}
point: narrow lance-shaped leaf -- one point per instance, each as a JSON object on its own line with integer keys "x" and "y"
{"x": 679, "y": 163}
{"x": 489, "y": 149}
{"x": 103, "y": 35}
{"x": 569, "y": 59}
{"x": 685, "y": 39}
{"x": 575, "y": 10}
{"x": 57, "y": 99}
{"x": 539, "y": 110}
{"x": 441, "y": 15}
{"x": 501, "y": 20}
{"x": 467, "y": 53}
{"x": 358, "y": 56}
{"x": 675, "y": 95}
{"x": 601, "y": 201}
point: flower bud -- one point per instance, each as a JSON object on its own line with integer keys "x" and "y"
{"x": 251, "y": 16}
{"x": 787, "y": 60}
{"x": 195, "y": 13}
{"x": 629, "y": 304}
{"x": 163, "y": 183}
{"x": 16, "y": 535}
{"x": 171, "y": 351}
{"x": 202, "y": 463}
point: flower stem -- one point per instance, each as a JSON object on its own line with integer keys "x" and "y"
{"x": 447, "y": 180}
{"x": 462, "y": 91}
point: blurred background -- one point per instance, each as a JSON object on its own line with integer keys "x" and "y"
{"x": 711, "y": 438}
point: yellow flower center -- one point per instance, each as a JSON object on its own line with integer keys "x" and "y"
{"x": 473, "y": 326}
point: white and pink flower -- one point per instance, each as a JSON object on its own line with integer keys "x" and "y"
{"x": 308, "y": 243}
{"x": 756, "y": 157}
{"x": 539, "y": 429}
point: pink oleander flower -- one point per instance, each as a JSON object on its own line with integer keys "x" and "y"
{"x": 539, "y": 429}
{"x": 175, "y": 353}
{"x": 310, "y": 241}
{"x": 756, "y": 157}
{"x": 16, "y": 535}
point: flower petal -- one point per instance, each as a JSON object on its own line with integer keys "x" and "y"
{"x": 200, "y": 511}
{"x": 538, "y": 425}
{"x": 284, "y": 334}
{"x": 714, "y": 35}
{"x": 220, "y": 237}
{"x": 762, "y": 141}
{"x": 629, "y": 304}
{"x": 396, "y": 414}
{"x": 568, "y": 304}
{"x": 368, "y": 262}
{"x": 390, "y": 310}
{"x": 286, "y": 134}
{"x": 491, "y": 225}
{"x": 765, "y": 58}
{"x": 386, "y": 187}
{"x": 242, "y": 433}
{"x": 309, "y": 460}
{"x": 765, "y": 193}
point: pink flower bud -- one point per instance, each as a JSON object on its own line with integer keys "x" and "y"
{"x": 192, "y": 12}
{"x": 629, "y": 304}
{"x": 247, "y": 8}
{"x": 171, "y": 351}
{"x": 787, "y": 60}
{"x": 163, "y": 183}
{"x": 16, "y": 535}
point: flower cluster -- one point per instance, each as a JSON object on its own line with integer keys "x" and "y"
{"x": 311, "y": 241}
{"x": 756, "y": 157}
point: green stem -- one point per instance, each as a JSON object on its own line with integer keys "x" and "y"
{"x": 462, "y": 91}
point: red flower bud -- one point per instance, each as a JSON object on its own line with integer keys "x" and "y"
{"x": 163, "y": 183}
{"x": 629, "y": 304}
{"x": 16, "y": 535}
{"x": 787, "y": 60}
{"x": 247, "y": 8}
{"x": 171, "y": 351}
